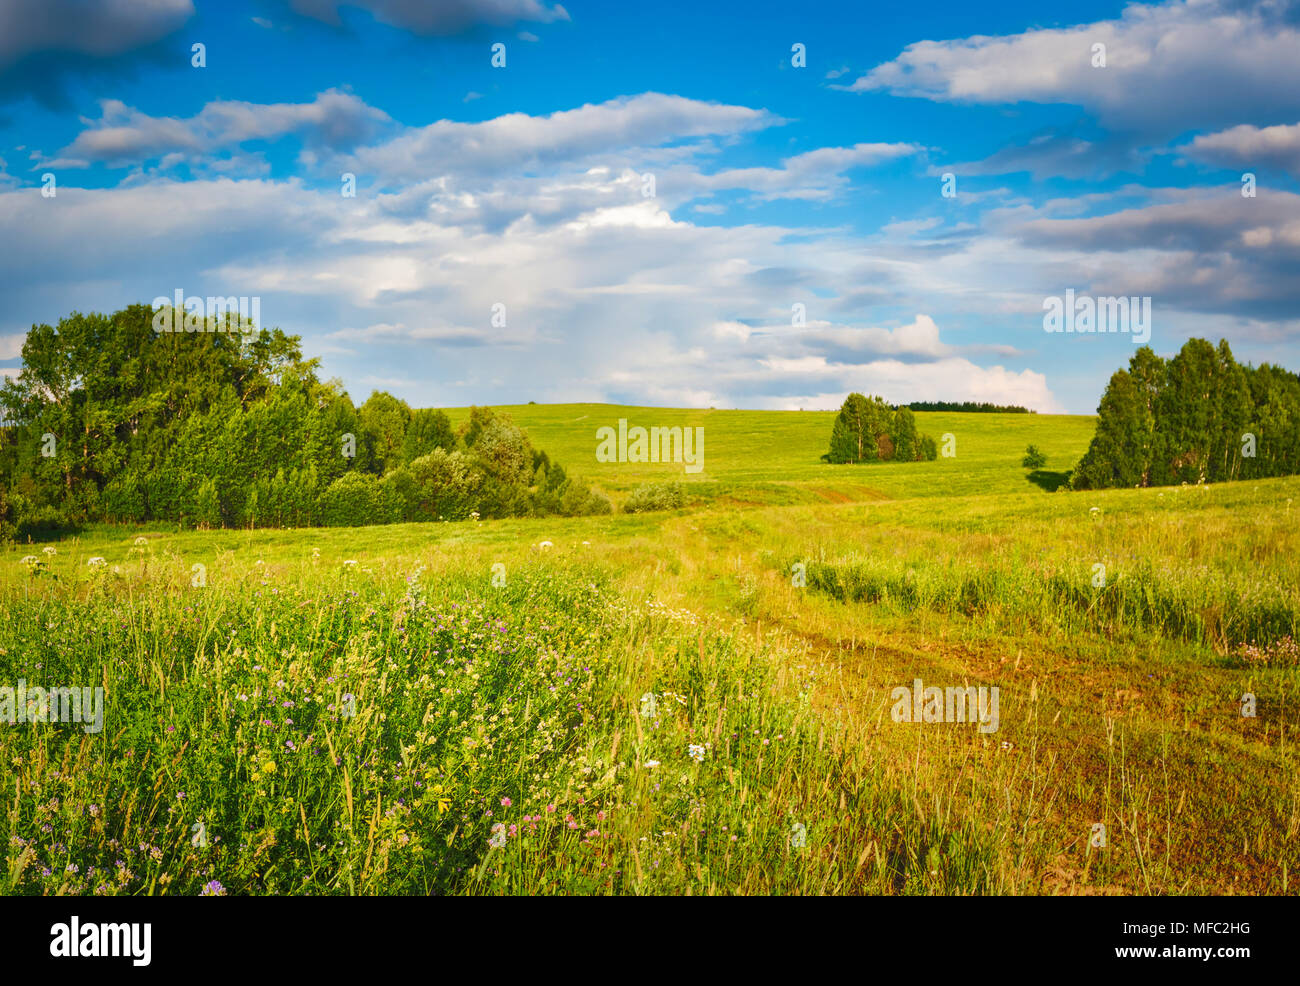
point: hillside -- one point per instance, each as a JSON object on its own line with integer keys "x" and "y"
{"x": 775, "y": 456}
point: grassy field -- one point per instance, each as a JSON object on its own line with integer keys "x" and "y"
{"x": 657, "y": 703}
{"x": 774, "y": 457}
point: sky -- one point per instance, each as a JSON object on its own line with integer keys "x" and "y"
{"x": 670, "y": 204}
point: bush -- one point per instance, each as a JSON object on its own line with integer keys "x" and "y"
{"x": 929, "y": 450}
{"x": 655, "y": 496}
{"x": 577, "y": 500}
{"x": 353, "y": 500}
{"x": 1034, "y": 459}
{"x": 446, "y": 486}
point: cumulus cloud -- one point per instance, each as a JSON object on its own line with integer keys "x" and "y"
{"x": 1158, "y": 61}
{"x": 901, "y": 383}
{"x": 1247, "y": 146}
{"x": 623, "y": 303}
{"x": 816, "y": 174}
{"x": 11, "y": 346}
{"x": 518, "y": 142}
{"x": 335, "y": 119}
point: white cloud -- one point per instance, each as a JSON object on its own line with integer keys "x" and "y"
{"x": 334, "y": 119}
{"x": 1158, "y": 61}
{"x": 1247, "y": 147}
{"x": 11, "y": 346}
{"x": 517, "y": 142}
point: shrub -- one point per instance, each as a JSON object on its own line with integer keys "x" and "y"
{"x": 446, "y": 486}
{"x": 353, "y": 500}
{"x": 655, "y": 496}
{"x": 577, "y": 500}
{"x": 1034, "y": 459}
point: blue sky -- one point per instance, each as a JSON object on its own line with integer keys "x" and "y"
{"x": 777, "y": 188}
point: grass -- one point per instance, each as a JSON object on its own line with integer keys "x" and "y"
{"x": 774, "y": 457}
{"x": 419, "y": 703}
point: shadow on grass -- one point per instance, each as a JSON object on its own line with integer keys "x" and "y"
{"x": 1050, "y": 481}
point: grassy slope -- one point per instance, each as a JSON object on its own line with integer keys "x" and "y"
{"x": 749, "y": 452}
{"x": 1107, "y": 717}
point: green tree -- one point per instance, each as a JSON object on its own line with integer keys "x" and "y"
{"x": 384, "y": 420}
{"x": 428, "y": 430}
{"x": 907, "y": 443}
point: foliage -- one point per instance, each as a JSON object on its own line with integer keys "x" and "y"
{"x": 869, "y": 430}
{"x": 966, "y": 407}
{"x": 655, "y": 496}
{"x": 235, "y": 430}
{"x": 1199, "y": 417}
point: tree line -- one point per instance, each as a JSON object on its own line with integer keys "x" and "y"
{"x": 974, "y": 407}
{"x": 868, "y": 429}
{"x": 1198, "y": 417}
{"x": 110, "y": 421}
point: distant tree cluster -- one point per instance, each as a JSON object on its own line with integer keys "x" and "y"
{"x": 1199, "y": 417}
{"x": 868, "y": 429}
{"x": 969, "y": 406}
{"x": 114, "y": 422}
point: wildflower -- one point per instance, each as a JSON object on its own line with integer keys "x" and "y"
{"x": 49, "y": 549}
{"x": 96, "y": 562}
{"x": 29, "y": 560}
{"x": 652, "y": 763}
{"x": 506, "y": 802}
{"x": 348, "y": 563}
{"x": 696, "y": 752}
{"x": 498, "y": 839}
{"x": 213, "y": 888}
{"x": 141, "y": 541}
{"x": 798, "y": 835}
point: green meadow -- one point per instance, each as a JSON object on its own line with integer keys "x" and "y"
{"x": 755, "y": 457}
{"x": 699, "y": 701}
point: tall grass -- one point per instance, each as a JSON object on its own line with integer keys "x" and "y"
{"x": 341, "y": 731}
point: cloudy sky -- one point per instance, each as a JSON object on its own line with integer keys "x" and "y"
{"x": 666, "y": 204}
